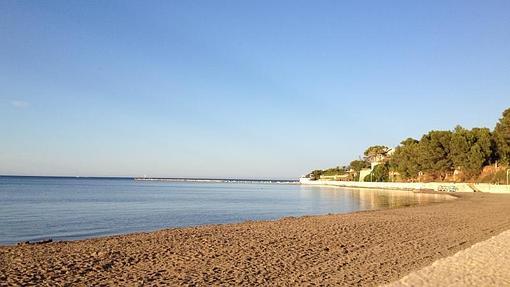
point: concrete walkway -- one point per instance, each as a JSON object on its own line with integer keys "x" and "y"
{"x": 436, "y": 186}
{"x": 486, "y": 263}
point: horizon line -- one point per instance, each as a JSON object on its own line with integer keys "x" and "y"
{"x": 152, "y": 178}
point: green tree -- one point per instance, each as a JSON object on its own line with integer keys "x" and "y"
{"x": 502, "y": 137}
{"x": 358, "y": 165}
{"x": 405, "y": 159}
{"x": 433, "y": 156}
{"x": 459, "y": 146}
{"x": 335, "y": 171}
{"x": 471, "y": 150}
{"x": 380, "y": 173}
{"x": 375, "y": 153}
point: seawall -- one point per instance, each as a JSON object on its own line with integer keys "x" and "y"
{"x": 436, "y": 186}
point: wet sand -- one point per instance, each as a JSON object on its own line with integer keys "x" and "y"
{"x": 363, "y": 248}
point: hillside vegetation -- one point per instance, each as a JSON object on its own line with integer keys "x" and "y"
{"x": 475, "y": 155}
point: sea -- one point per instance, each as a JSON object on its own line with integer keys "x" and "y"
{"x": 69, "y": 208}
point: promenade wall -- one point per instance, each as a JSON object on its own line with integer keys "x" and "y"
{"x": 493, "y": 188}
{"x": 436, "y": 186}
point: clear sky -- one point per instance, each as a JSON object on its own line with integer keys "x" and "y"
{"x": 252, "y": 89}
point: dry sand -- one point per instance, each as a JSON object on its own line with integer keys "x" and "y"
{"x": 363, "y": 248}
{"x": 486, "y": 263}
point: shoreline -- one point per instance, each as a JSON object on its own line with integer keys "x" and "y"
{"x": 361, "y": 248}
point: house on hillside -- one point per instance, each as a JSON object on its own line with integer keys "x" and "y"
{"x": 380, "y": 158}
{"x": 363, "y": 173}
{"x": 375, "y": 160}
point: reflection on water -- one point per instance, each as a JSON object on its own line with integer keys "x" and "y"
{"x": 369, "y": 199}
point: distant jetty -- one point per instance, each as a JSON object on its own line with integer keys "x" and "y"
{"x": 218, "y": 180}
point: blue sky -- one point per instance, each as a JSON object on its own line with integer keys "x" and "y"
{"x": 253, "y": 89}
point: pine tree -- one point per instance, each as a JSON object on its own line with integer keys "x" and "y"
{"x": 502, "y": 137}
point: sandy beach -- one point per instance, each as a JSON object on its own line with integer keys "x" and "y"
{"x": 363, "y": 248}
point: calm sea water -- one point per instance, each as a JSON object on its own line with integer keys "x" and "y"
{"x": 37, "y": 208}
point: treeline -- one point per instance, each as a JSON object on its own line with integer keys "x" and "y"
{"x": 438, "y": 154}
{"x": 460, "y": 154}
